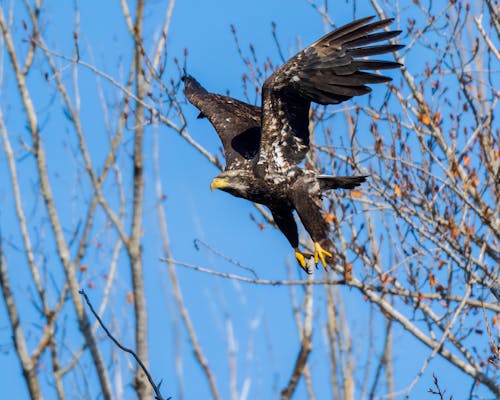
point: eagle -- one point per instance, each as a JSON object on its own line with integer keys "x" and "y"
{"x": 264, "y": 145}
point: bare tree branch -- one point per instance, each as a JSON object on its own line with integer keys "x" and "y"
{"x": 305, "y": 346}
{"x": 28, "y": 367}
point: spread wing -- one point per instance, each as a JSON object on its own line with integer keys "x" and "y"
{"x": 329, "y": 71}
{"x": 237, "y": 123}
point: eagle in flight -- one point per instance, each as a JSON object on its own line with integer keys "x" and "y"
{"x": 263, "y": 145}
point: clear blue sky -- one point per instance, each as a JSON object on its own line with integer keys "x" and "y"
{"x": 203, "y": 27}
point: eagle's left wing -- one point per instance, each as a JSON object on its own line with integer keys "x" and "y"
{"x": 236, "y": 122}
{"x": 327, "y": 72}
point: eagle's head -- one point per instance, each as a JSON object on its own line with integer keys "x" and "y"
{"x": 236, "y": 182}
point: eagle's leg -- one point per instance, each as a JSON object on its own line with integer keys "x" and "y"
{"x": 306, "y": 197}
{"x": 320, "y": 253}
{"x": 283, "y": 217}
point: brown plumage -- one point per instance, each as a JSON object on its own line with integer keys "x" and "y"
{"x": 263, "y": 146}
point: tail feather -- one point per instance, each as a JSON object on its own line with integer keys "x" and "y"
{"x": 340, "y": 182}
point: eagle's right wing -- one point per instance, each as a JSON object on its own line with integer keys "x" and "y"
{"x": 237, "y": 123}
{"x": 330, "y": 71}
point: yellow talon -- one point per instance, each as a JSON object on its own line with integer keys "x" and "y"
{"x": 301, "y": 258}
{"x": 320, "y": 253}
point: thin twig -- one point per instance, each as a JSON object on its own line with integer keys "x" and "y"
{"x": 479, "y": 24}
{"x": 155, "y": 387}
{"x": 495, "y": 290}
{"x": 222, "y": 255}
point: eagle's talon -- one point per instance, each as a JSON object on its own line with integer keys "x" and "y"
{"x": 320, "y": 253}
{"x": 301, "y": 259}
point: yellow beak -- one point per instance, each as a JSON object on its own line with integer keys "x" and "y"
{"x": 218, "y": 183}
